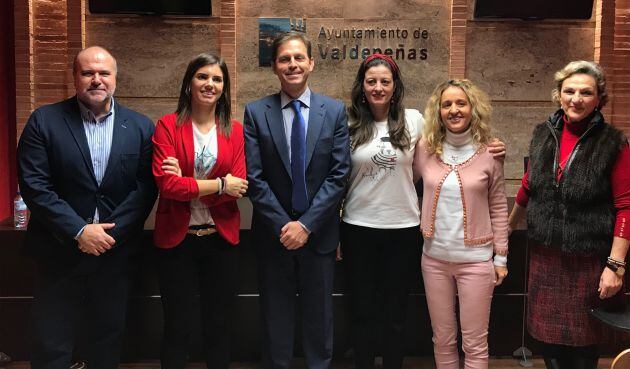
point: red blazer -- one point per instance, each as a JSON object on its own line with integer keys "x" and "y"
{"x": 173, "y": 212}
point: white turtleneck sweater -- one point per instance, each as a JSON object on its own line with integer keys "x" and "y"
{"x": 447, "y": 244}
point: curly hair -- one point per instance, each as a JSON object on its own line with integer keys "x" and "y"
{"x": 434, "y": 131}
{"x": 581, "y": 67}
{"x": 362, "y": 120}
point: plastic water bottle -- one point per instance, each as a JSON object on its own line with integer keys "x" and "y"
{"x": 20, "y": 212}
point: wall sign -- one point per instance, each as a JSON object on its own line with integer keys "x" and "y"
{"x": 346, "y": 43}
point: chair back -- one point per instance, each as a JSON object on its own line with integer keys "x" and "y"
{"x": 622, "y": 361}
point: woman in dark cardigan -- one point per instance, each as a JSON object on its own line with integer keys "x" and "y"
{"x": 576, "y": 193}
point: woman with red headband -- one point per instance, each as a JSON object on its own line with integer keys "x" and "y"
{"x": 379, "y": 234}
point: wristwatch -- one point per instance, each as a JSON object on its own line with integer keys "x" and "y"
{"x": 619, "y": 270}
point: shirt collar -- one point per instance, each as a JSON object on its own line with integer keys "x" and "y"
{"x": 88, "y": 116}
{"x": 305, "y": 98}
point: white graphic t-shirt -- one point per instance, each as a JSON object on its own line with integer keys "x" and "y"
{"x": 381, "y": 193}
{"x": 205, "y": 157}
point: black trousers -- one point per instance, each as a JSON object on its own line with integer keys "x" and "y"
{"x": 281, "y": 274}
{"x": 205, "y": 267}
{"x": 380, "y": 265}
{"x": 570, "y": 357}
{"x": 93, "y": 292}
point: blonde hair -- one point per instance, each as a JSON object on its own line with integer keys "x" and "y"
{"x": 581, "y": 67}
{"x": 434, "y": 131}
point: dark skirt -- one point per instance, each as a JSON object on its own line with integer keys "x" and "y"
{"x": 562, "y": 289}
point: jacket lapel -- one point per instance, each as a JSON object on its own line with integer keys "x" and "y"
{"x": 222, "y": 152}
{"x": 75, "y": 123}
{"x": 118, "y": 142}
{"x": 276, "y": 127}
{"x": 316, "y": 115}
{"x": 188, "y": 148}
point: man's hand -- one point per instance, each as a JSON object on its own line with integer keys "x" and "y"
{"x": 94, "y": 240}
{"x": 497, "y": 148}
{"x": 293, "y": 236}
{"x": 609, "y": 284}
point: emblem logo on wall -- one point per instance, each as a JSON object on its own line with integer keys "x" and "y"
{"x": 269, "y": 29}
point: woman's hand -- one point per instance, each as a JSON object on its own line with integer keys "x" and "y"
{"x": 497, "y": 148}
{"x": 170, "y": 165}
{"x": 516, "y": 216}
{"x": 501, "y": 272}
{"x": 234, "y": 186}
{"x": 339, "y": 255}
{"x": 609, "y": 284}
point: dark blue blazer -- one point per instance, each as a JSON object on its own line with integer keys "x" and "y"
{"x": 57, "y": 179}
{"x": 269, "y": 169}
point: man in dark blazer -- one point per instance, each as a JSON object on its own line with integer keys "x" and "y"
{"x": 298, "y": 158}
{"x": 85, "y": 173}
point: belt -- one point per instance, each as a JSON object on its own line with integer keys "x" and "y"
{"x": 202, "y": 231}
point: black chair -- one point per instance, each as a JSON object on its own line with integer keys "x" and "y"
{"x": 617, "y": 319}
{"x": 620, "y": 320}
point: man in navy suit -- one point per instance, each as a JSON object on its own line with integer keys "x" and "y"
{"x": 85, "y": 173}
{"x": 298, "y": 158}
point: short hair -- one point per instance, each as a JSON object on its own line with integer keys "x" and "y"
{"x": 286, "y": 37}
{"x": 75, "y": 63}
{"x": 581, "y": 67}
{"x": 224, "y": 104}
{"x": 434, "y": 130}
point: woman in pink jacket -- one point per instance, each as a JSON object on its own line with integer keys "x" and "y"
{"x": 464, "y": 220}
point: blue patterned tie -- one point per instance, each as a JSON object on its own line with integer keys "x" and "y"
{"x": 299, "y": 198}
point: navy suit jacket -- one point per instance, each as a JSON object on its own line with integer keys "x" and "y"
{"x": 269, "y": 170}
{"x": 57, "y": 179}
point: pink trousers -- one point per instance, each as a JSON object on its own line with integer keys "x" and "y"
{"x": 473, "y": 283}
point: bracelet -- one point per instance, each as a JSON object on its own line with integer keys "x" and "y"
{"x": 619, "y": 270}
{"x": 616, "y": 262}
{"x": 220, "y": 186}
{"x": 223, "y": 184}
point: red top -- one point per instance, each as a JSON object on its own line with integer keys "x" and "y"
{"x": 173, "y": 212}
{"x": 619, "y": 177}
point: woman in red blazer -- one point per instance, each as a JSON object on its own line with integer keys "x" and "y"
{"x": 199, "y": 166}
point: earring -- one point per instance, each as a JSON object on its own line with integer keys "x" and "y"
{"x": 363, "y": 98}
{"x": 391, "y": 102}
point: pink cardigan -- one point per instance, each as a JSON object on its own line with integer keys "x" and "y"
{"x": 483, "y": 195}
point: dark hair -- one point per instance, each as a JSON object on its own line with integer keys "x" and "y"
{"x": 224, "y": 105}
{"x": 286, "y": 37}
{"x": 361, "y": 117}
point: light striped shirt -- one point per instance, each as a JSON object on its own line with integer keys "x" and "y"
{"x": 99, "y": 134}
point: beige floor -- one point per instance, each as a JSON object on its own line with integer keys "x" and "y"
{"x": 410, "y": 363}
